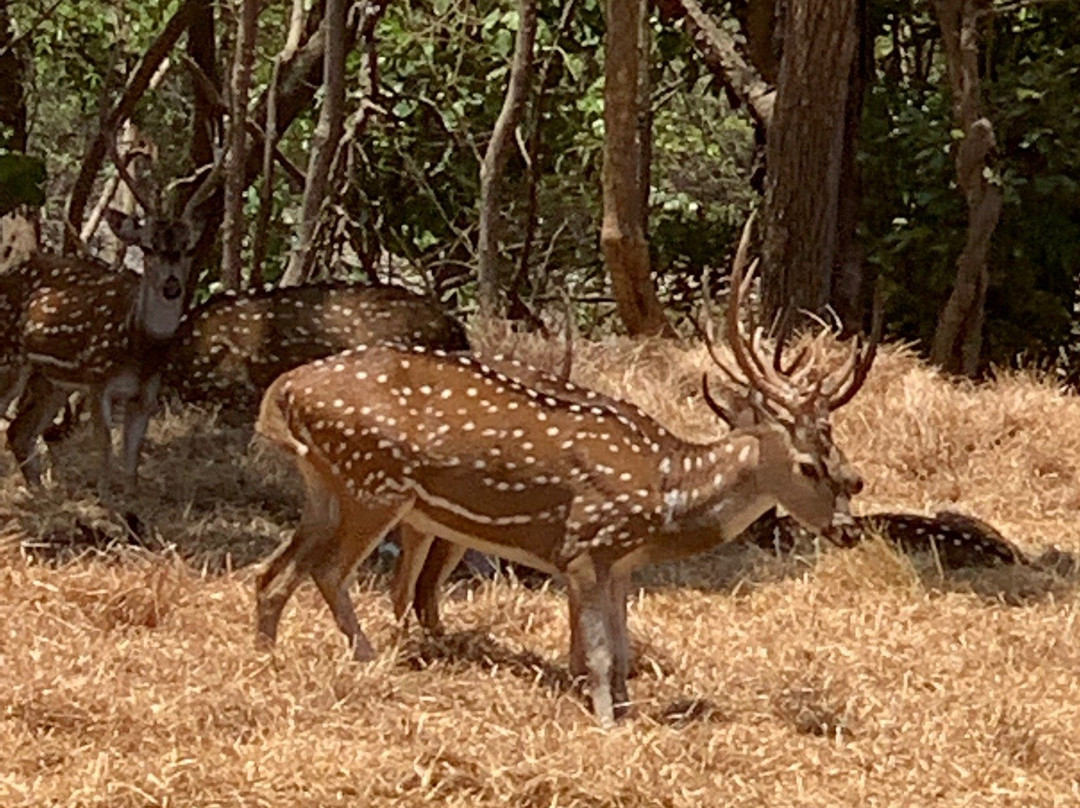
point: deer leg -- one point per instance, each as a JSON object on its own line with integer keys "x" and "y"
{"x": 37, "y": 407}
{"x": 12, "y": 382}
{"x": 591, "y": 610}
{"x": 416, "y": 548}
{"x": 292, "y": 561}
{"x": 136, "y": 419}
{"x": 578, "y": 668}
{"x": 442, "y": 557}
{"x": 358, "y": 531}
{"x": 103, "y": 419}
{"x": 618, "y": 587}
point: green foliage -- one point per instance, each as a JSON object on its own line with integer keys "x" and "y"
{"x": 442, "y": 72}
{"x": 914, "y": 218}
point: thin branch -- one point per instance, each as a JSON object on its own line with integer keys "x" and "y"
{"x": 137, "y": 85}
{"x": 496, "y": 155}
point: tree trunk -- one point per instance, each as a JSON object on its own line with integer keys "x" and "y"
{"x": 328, "y": 132}
{"x": 206, "y": 120}
{"x": 805, "y": 155}
{"x": 958, "y": 338}
{"x": 12, "y": 99}
{"x": 234, "y": 224}
{"x": 299, "y": 79}
{"x": 758, "y": 21}
{"x": 491, "y": 274}
{"x": 622, "y": 238}
{"x": 848, "y": 292}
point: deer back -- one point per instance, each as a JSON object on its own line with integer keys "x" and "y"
{"x": 233, "y": 346}
{"x": 72, "y": 316}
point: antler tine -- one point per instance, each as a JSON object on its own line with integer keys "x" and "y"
{"x": 148, "y": 205}
{"x": 866, "y": 360}
{"x": 208, "y": 187}
{"x": 705, "y": 332}
{"x": 726, "y": 415}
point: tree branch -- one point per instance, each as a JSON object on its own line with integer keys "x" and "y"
{"x": 121, "y": 111}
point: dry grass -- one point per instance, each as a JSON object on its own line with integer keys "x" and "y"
{"x": 851, "y": 678}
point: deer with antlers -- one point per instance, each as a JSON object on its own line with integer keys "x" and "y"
{"x": 75, "y": 324}
{"x": 448, "y": 446}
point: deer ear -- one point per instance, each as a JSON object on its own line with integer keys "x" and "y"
{"x": 126, "y": 227}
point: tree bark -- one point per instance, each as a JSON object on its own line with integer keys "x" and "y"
{"x": 120, "y": 112}
{"x": 233, "y": 225}
{"x": 958, "y": 338}
{"x": 622, "y": 238}
{"x": 490, "y": 271}
{"x": 206, "y": 120}
{"x": 805, "y": 151}
{"x": 722, "y": 57}
{"x": 328, "y": 132}
{"x": 848, "y": 293}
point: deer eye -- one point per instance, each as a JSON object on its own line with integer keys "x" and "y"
{"x": 809, "y": 470}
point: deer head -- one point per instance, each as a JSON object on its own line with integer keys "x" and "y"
{"x": 167, "y": 240}
{"x": 789, "y": 405}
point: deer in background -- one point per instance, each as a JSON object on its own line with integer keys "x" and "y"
{"x": 230, "y": 348}
{"x": 72, "y": 323}
{"x": 451, "y": 447}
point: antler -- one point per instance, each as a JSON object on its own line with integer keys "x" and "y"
{"x": 862, "y": 358}
{"x": 150, "y": 206}
{"x": 781, "y": 387}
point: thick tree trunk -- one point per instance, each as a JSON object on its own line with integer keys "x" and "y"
{"x": 626, "y": 251}
{"x": 805, "y": 155}
{"x": 958, "y": 338}
{"x": 235, "y": 224}
{"x": 848, "y": 292}
{"x": 328, "y": 132}
{"x": 206, "y": 119}
{"x": 491, "y": 274}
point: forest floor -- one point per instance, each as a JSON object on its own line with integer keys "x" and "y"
{"x": 128, "y": 675}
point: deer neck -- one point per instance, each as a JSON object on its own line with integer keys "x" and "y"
{"x": 711, "y": 492}
{"x": 149, "y": 351}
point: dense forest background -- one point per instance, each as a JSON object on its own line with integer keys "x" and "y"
{"x": 414, "y": 99}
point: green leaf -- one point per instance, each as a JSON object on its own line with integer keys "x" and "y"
{"x": 22, "y": 181}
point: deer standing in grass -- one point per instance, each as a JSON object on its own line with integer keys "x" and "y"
{"x": 230, "y": 348}
{"x": 75, "y": 324}
{"x": 450, "y": 447}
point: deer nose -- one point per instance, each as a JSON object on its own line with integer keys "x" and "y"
{"x": 856, "y": 485}
{"x": 172, "y": 288}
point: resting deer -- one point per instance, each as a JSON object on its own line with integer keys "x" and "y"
{"x": 77, "y": 324}
{"x": 230, "y": 348}
{"x": 385, "y": 435}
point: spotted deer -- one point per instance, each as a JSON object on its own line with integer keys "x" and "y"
{"x": 448, "y": 446}
{"x": 230, "y": 348}
{"x": 75, "y": 324}
{"x": 426, "y": 562}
